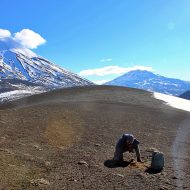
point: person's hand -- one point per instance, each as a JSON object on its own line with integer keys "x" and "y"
{"x": 139, "y": 160}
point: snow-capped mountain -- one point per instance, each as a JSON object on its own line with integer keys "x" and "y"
{"x": 23, "y": 73}
{"x": 185, "y": 95}
{"x": 152, "y": 82}
{"x": 14, "y": 64}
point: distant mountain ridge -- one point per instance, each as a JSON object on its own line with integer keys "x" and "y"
{"x": 151, "y": 82}
{"x": 185, "y": 95}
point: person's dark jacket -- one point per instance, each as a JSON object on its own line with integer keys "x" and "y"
{"x": 122, "y": 145}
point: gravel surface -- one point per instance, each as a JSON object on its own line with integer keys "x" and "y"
{"x": 65, "y": 139}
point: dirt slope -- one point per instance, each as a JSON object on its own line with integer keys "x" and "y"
{"x": 63, "y": 139}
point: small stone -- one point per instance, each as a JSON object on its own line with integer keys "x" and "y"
{"x": 82, "y": 162}
{"x": 37, "y": 147}
{"x": 71, "y": 179}
{"x": 120, "y": 175}
{"x": 174, "y": 177}
{"x": 11, "y": 165}
{"x": 97, "y": 144}
{"x": 47, "y": 163}
{"x": 43, "y": 182}
{"x": 22, "y": 144}
{"x": 39, "y": 182}
{"x": 163, "y": 187}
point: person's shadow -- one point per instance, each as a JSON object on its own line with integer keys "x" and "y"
{"x": 153, "y": 171}
{"x": 115, "y": 164}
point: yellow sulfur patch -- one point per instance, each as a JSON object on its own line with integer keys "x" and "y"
{"x": 63, "y": 129}
{"x": 139, "y": 165}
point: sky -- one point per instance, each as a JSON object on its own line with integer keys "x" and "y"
{"x": 103, "y": 39}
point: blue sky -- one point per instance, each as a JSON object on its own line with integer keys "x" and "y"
{"x": 107, "y": 37}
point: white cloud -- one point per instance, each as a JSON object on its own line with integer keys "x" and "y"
{"x": 110, "y": 70}
{"x": 5, "y": 33}
{"x": 26, "y": 38}
{"x": 100, "y": 81}
{"x": 106, "y": 60}
{"x": 29, "y": 38}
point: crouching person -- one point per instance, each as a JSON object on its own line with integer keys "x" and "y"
{"x": 127, "y": 143}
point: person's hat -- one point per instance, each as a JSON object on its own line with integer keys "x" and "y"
{"x": 129, "y": 138}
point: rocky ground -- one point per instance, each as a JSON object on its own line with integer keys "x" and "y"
{"x": 65, "y": 139}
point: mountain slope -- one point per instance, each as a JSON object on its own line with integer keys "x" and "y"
{"x": 7, "y": 85}
{"x": 185, "y": 95}
{"x": 16, "y": 65}
{"x": 149, "y": 81}
{"x": 12, "y": 89}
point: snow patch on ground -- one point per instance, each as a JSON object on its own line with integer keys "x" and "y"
{"x": 17, "y": 94}
{"x": 173, "y": 101}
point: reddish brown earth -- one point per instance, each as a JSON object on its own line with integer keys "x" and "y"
{"x": 62, "y": 140}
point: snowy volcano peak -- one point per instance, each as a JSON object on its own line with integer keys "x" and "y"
{"x": 135, "y": 74}
{"x": 21, "y": 63}
{"x": 8, "y": 44}
{"x": 152, "y": 82}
